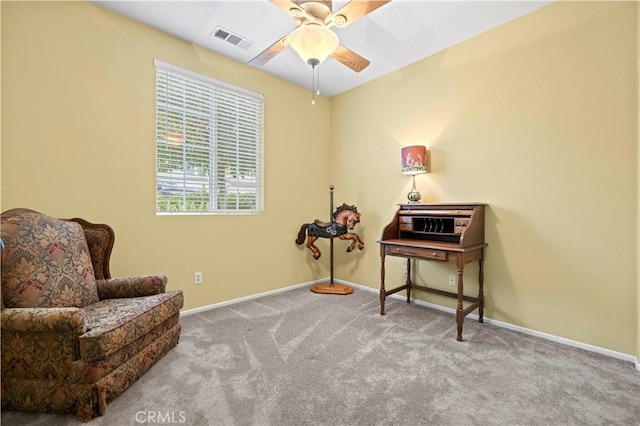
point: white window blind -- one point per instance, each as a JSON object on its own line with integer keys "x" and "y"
{"x": 209, "y": 144}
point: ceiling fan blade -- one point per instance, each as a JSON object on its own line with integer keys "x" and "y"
{"x": 285, "y": 5}
{"x": 271, "y": 51}
{"x": 355, "y": 10}
{"x": 350, "y": 59}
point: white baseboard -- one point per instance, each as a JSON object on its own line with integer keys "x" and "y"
{"x": 562, "y": 340}
{"x": 246, "y": 298}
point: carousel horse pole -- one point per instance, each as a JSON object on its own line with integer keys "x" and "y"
{"x": 331, "y": 239}
{"x": 331, "y": 287}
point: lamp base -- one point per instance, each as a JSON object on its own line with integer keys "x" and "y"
{"x": 414, "y": 196}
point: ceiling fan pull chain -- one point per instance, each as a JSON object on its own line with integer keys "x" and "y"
{"x": 313, "y": 84}
{"x": 318, "y": 85}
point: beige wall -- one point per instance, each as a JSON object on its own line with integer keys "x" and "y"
{"x": 78, "y": 125}
{"x": 638, "y": 180}
{"x": 538, "y": 118}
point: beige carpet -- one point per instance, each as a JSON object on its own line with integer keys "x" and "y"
{"x": 300, "y": 358}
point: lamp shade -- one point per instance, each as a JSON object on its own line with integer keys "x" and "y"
{"x": 414, "y": 160}
{"x": 312, "y": 41}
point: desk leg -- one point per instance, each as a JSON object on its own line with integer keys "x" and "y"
{"x": 408, "y": 280}
{"x": 382, "y": 290}
{"x": 481, "y": 290}
{"x": 459, "y": 309}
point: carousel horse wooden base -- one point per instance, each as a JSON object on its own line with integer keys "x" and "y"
{"x": 329, "y": 288}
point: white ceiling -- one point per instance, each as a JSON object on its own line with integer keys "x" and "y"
{"x": 391, "y": 37}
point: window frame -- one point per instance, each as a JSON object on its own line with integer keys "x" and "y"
{"x": 221, "y": 113}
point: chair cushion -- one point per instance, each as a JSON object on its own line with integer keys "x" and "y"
{"x": 114, "y": 323}
{"x": 45, "y": 264}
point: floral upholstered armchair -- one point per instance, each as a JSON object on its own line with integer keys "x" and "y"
{"x": 73, "y": 338}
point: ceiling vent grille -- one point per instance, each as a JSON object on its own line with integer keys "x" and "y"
{"x": 229, "y": 37}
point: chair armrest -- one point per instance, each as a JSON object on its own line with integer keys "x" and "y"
{"x": 115, "y": 288}
{"x": 34, "y": 320}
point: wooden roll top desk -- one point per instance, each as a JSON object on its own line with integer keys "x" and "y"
{"x": 451, "y": 233}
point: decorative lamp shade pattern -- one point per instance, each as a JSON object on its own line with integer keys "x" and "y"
{"x": 414, "y": 160}
{"x": 313, "y": 41}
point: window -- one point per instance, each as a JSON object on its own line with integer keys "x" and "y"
{"x": 208, "y": 145}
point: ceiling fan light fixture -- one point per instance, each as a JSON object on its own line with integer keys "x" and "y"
{"x": 313, "y": 41}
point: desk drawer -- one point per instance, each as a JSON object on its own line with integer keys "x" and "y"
{"x": 421, "y": 253}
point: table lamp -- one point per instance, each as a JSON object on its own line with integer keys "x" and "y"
{"x": 414, "y": 162}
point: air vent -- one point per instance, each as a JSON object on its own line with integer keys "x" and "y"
{"x": 229, "y": 37}
{"x": 221, "y": 34}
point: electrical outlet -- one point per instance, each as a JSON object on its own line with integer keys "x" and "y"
{"x": 404, "y": 270}
{"x": 453, "y": 280}
{"x": 197, "y": 278}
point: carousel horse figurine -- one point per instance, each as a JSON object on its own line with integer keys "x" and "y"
{"x": 345, "y": 218}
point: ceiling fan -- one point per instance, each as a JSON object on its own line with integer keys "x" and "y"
{"x": 312, "y": 39}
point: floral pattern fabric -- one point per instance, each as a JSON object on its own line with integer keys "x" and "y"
{"x": 76, "y": 350}
{"x": 45, "y": 263}
{"x": 114, "y": 323}
{"x": 43, "y": 320}
{"x": 85, "y": 400}
{"x": 100, "y": 242}
{"x": 131, "y": 287}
